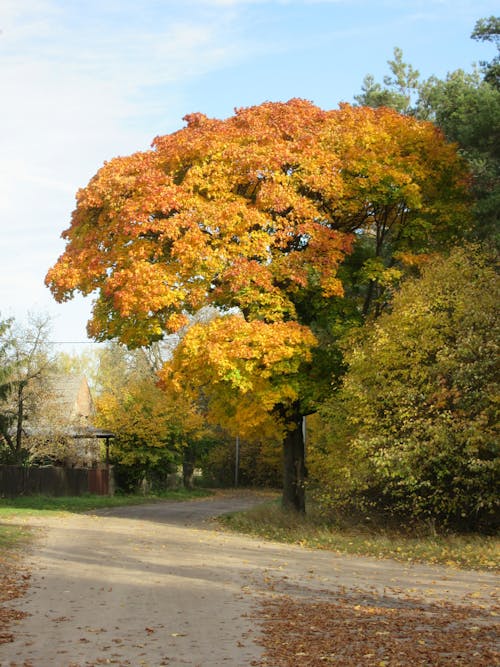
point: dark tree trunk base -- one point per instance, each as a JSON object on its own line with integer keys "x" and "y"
{"x": 294, "y": 470}
{"x": 188, "y": 474}
{"x": 188, "y": 466}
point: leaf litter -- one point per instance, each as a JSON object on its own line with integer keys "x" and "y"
{"x": 361, "y": 628}
{"x": 14, "y": 580}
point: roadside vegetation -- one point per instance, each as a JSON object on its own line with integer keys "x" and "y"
{"x": 421, "y": 544}
{"x": 25, "y": 506}
{"x": 14, "y": 577}
{"x": 13, "y": 535}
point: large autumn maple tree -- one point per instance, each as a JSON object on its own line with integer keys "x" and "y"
{"x": 253, "y": 214}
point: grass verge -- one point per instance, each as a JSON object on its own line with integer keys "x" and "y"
{"x": 269, "y": 521}
{"x": 14, "y": 576}
{"x": 25, "y": 506}
{"x": 12, "y": 537}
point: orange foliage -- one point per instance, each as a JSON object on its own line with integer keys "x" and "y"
{"x": 242, "y": 370}
{"x": 247, "y": 211}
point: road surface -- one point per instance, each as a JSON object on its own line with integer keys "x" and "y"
{"x": 159, "y": 584}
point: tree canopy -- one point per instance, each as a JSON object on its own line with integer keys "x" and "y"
{"x": 247, "y": 211}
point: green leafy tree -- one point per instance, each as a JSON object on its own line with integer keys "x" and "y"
{"x": 400, "y": 87}
{"x": 26, "y": 364}
{"x": 417, "y": 416}
{"x": 5, "y": 387}
{"x": 466, "y": 107}
{"x": 488, "y": 30}
{"x": 145, "y": 444}
{"x": 154, "y": 431}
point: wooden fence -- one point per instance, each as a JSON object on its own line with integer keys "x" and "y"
{"x": 53, "y": 481}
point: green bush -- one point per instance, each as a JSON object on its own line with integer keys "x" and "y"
{"x": 414, "y": 429}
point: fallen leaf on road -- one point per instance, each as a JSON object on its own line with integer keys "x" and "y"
{"x": 368, "y": 630}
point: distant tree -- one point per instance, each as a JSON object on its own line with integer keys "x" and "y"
{"x": 5, "y": 388}
{"x": 400, "y": 88}
{"x": 466, "y": 107}
{"x": 488, "y": 30}
{"x": 84, "y": 363}
{"x": 26, "y": 363}
{"x": 154, "y": 432}
{"x": 259, "y": 463}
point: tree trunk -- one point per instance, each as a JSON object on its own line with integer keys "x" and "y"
{"x": 20, "y": 417}
{"x": 294, "y": 470}
{"x": 188, "y": 465}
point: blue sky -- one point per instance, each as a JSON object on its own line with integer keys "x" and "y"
{"x": 83, "y": 81}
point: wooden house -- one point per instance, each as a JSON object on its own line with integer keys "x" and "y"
{"x": 61, "y": 429}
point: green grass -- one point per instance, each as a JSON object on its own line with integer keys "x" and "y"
{"x": 12, "y": 536}
{"x": 269, "y": 521}
{"x": 40, "y": 505}
{"x": 15, "y": 535}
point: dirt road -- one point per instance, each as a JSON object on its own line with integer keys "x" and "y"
{"x": 158, "y": 585}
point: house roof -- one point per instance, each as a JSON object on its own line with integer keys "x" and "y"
{"x": 70, "y": 394}
{"x": 92, "y": 432}
{"x": 79, "y": 432}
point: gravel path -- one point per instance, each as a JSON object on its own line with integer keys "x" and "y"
{"x": 158, "y": 584}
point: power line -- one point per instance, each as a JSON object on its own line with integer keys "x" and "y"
{"x": 73, "y": 342}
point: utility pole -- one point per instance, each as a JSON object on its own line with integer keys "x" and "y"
{"x": 237, "y": 461}
{"x": 304, "y": 433}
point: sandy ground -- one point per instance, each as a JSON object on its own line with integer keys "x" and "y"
{"x": 158, "y": 584}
